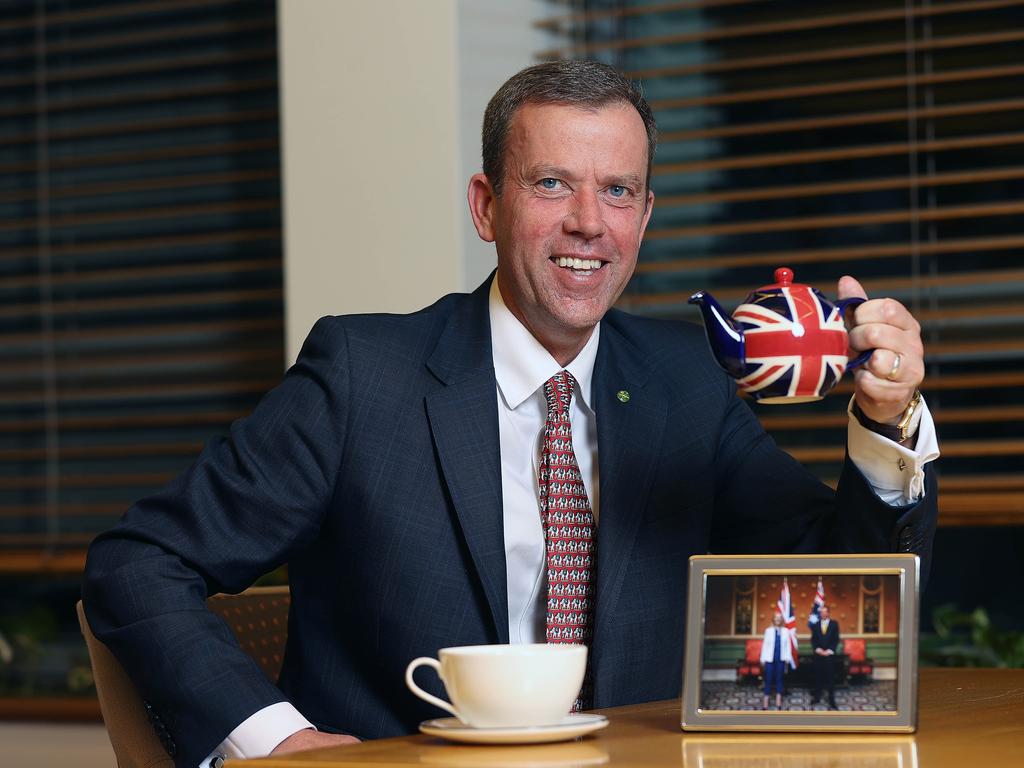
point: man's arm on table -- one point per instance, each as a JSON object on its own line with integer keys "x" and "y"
{"x": 245, "y": 506}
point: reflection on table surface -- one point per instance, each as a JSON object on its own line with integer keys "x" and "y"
{"x": 566, "y": 755}
{"x": 967, "y": 717}
{"x": 777, "y": 751}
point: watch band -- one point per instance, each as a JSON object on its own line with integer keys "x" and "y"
{"x": 900, "y": 432}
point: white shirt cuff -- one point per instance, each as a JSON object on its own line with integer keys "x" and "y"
{"x": 261, "y": 732}
{"x": 895, "y": 473}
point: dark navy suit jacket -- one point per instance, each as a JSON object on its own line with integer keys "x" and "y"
{"x": 373, "y": 471}
{"x": 827, "y": 640}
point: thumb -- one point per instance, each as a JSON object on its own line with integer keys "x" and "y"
{"x": 849, "y": 287}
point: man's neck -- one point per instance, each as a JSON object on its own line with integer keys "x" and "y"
{"x": 563, "y": 344}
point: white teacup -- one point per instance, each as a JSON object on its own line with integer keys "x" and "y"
{"x": 506, "y": 686}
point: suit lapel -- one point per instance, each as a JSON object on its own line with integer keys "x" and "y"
{"x": 629, "y": 432}
{"x": 464, "y": 423}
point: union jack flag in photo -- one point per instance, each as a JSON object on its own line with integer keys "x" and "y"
{"x": 768, "y": 344}
{"x": 819, "y": 600}
{"x": 789, "y": 621}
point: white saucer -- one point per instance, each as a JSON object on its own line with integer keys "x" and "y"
{"x": 454, "y": 730}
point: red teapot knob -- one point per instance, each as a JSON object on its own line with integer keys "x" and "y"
{"x": 784, "y": 276}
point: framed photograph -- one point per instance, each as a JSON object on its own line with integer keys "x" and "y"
{"x": 801, "y": 643}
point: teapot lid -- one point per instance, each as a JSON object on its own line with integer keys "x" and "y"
{"x": 783, "y": 279}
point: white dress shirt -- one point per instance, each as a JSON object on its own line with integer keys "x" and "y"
{"x": 521, "y": 366}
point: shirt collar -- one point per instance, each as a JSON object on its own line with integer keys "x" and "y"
{"x": 522, "y": 365}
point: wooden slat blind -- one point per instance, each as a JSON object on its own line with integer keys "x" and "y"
{"x": 882, "y": 139}
{"x": 140, "y": 251}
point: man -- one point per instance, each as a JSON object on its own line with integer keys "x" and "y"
{"x": 396, "y": 467}
{"x": 825, "y": 641}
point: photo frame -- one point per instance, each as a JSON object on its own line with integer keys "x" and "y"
{"x": 843, "y": 659}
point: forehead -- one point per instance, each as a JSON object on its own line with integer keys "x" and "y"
{"x": 563, "y": 134}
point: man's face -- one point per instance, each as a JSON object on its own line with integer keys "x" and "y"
{"x": 570, "y": 219}
{"x": 823, "y": 611}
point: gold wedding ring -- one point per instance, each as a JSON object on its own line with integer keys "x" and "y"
{"x": 895, "y": 367}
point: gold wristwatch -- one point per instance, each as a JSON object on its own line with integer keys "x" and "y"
{"x": 899, "y": 432}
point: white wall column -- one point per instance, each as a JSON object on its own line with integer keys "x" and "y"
{"x": 369, "y": 128}
{"x": 381, "y": 106}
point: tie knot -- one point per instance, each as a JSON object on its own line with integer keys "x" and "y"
{"x": 558, "y": 392}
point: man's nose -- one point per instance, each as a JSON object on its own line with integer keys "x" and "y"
{"x": 586, "y": 218}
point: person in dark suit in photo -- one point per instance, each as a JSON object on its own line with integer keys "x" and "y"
{"x": 825, "y": 641}
{"x": 400, "y": 469}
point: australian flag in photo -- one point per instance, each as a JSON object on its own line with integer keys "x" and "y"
{"x": 819, "y": 600}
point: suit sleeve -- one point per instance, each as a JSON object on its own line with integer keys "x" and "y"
{"x": 248, "y": 502}
{"x": 767, "y": 502}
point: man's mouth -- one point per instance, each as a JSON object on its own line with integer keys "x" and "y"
{"x": 579, "y": 266}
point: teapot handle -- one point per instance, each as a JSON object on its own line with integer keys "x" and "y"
{"x": 842, "y": 304}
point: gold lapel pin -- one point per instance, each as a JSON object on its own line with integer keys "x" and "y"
{"x": 623, "y": 396}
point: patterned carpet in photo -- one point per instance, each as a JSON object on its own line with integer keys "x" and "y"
{"x": 876, "y": 696}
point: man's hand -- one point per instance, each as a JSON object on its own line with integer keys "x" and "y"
{"x": 885, "y": 384}
{"x": 310, "y": 739}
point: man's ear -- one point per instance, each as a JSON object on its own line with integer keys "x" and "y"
{"x": 481, "y": 199}
{"x": 648, "y": 210}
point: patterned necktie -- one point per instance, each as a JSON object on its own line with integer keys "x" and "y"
{"x": 568, "y": 528}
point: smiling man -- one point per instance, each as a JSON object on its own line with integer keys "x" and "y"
{"x": 520, "y": 464}
{"x": 567, "y": 218}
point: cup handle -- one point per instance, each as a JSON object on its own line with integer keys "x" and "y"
{"x": 842, "y": 305}
{"x": 431, "y": 699}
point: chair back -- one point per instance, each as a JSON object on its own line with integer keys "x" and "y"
{"x": 855, "y": 649}
{"x": 259, "y": 619}
{"x": 754, "y": 651}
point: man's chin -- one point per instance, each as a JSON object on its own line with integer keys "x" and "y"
{"x": 581, "y": 322}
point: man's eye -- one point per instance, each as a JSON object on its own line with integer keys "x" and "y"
{"x": 549, "y": 183}
{"x": 617, "y": 191}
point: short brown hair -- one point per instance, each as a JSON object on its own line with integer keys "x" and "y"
{"x": 579, "y": 83}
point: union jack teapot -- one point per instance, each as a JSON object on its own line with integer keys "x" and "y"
{"x": 786, "y": 343}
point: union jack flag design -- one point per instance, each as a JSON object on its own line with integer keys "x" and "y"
{"x": 785, "y": 607}
{"x": 773, "y": 366}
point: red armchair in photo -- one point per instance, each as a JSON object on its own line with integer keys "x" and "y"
{"x": 749, "y": 667}
{"x": 861, "y": 667}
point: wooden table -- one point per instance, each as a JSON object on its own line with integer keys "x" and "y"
{"x": 966, "y": 718}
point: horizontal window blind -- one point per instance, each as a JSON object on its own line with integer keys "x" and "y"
{"x": 140, "y": 252}
{"x": 882, "y": 139}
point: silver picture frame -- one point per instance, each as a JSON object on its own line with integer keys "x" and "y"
{"x": 702, "y": 705}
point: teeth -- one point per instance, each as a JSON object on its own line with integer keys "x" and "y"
{"x": 585, "y": 265}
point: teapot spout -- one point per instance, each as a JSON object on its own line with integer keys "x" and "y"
{"x": 724, "y": 336}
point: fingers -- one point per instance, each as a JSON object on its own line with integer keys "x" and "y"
{"x": 887, "y": 312}
{"x": 886, "y": 382}
{"x": 884, "y": 336}
{"x": 896, "y": 369}
{"x": 849, "y": 288}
